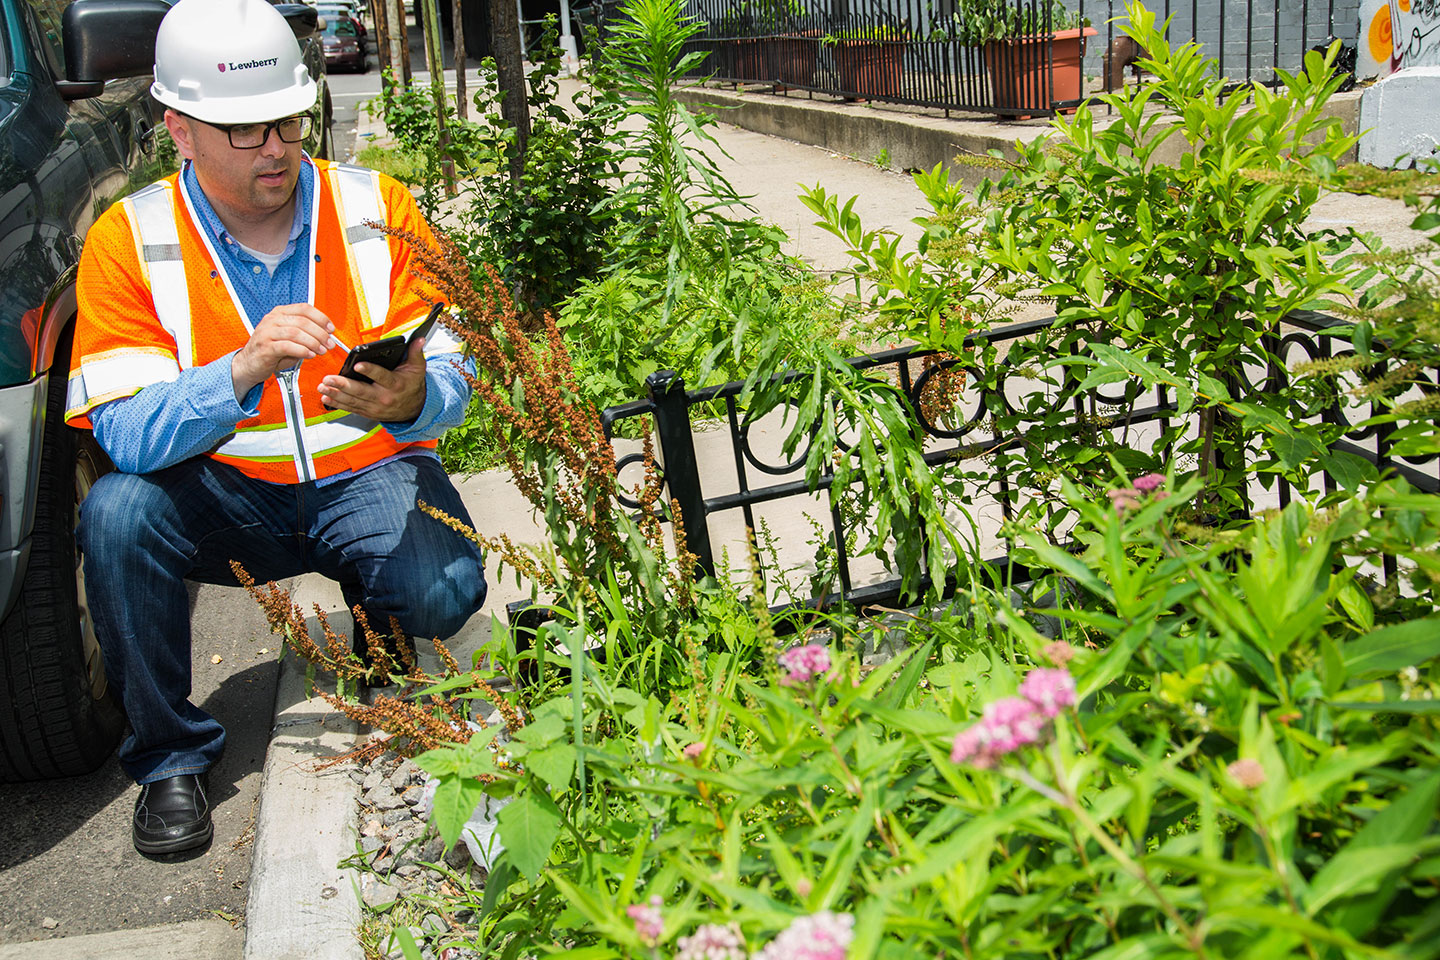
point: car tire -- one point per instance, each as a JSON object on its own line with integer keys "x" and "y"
{"x": 58, "y": 716}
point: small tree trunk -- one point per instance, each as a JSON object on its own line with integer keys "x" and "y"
{"x": 404, "y": 73}
{"x": 510, "y": 78}
{"x": 435, "y": 66}
{"x": 380, "y": 14}
{"x": 457, "y": 29}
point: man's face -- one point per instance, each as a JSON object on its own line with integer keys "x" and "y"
{"x": 246, "y": 183}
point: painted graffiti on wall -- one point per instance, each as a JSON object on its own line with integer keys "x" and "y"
{"x": 1397, "y": 33}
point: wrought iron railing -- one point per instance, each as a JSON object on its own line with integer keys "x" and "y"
{"x": 755, "y": 480}
{"x": 924, "y": 52}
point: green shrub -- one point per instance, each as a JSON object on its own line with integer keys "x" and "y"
{"x": 1246, "y": 765}
{"x": 547, "y": 234}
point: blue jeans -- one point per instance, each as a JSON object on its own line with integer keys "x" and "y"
{"x": 144, "y": 535}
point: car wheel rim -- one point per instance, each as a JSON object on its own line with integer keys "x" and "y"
{"x": 86, "y": 473}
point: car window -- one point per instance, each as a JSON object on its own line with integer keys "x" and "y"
{"x": 340, "y": 28}
{"x": 47, "y": 13}
{"x": 4, "y": 53}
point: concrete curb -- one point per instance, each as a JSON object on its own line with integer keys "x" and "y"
{"x": 302, "y": 906}
{"x": 192, "y": 940}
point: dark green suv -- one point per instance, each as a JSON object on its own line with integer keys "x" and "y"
{"x": 78, "y": 131}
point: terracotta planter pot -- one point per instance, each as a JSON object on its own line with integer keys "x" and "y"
{"x": 790, "y": 60}
{"x": 749, "y": 60}
{"x": 870, "y": 68}
{"x": 1017, "y": 69}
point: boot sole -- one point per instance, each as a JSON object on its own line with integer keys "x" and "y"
{"x": 176, "y": 844}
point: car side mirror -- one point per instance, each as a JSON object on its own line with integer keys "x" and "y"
{"x": 107, "y": 40}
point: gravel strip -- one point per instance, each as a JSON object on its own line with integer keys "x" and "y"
{"x": 400, "y": 851}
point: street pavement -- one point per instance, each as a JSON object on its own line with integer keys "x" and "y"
{"x": 67, "y": 869}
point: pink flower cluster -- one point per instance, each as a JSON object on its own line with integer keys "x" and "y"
{"x": 819, "y": 936}
{"x": 1015, "y": 722}
{"x": 1049, "y": 691}
{"x": 803, "y": 664}
{"x": 1128, "y": 498}
{"x": 649, "y": 923}
{"x": 1248, "y": 773}
{"x": 712, "y": 942}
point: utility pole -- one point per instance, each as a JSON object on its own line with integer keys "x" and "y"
{"x": 403, "y": 74}
{"x": 380, "y": 16}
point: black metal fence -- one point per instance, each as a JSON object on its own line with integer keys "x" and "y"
{"x": 705, "y": 494}
{"x": 934, "y": 53}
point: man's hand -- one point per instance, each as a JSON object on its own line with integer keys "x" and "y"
{"x": 395, "y": 396}
{"x": 282, "y": 338}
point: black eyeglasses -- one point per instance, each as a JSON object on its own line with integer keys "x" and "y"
{"x": 252, "y": 136}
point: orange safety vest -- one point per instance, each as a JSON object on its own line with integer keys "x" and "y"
{"x": 154, "y": 300}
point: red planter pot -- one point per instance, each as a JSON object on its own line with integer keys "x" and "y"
{"x": 749, "y": 60}
{"x": 870, "y": 68}
{"x": 790, "y": 60}
{"x": 1018, "y": 69}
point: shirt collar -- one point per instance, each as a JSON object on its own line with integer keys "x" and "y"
{"x": 303, "y": 189}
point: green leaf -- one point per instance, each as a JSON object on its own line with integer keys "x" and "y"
{"x": 1393, "y": 648}
{"x": 1362, "y": 870}
{"x": 406, "y": 940}
{"x": 542, "y": 730}
{"x": 455, "y": 800}
{"x": 529, "y": 827}
{"x": 1426, "y": 221}
{"x": 1292, "y": 449}
{"x": 1357, "y": 605}
{"x": 1347, "y": 469}
{"x": 1389, "y": 706}
{"x": 1400, "y": 824}
{"x": 554, "y": 765}
{"x": 1135, "y": 365}
{"x": 1100, "y": 376}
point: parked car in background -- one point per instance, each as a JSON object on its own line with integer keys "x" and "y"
{"x": 338, "y": 8}
{"x": 78, "y": 131}
{"x": 342, "y": 45}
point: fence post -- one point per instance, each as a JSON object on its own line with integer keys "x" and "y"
{"x": 677, "y": 455}
{"x": 526, "y": 618}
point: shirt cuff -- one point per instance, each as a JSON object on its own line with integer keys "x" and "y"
{"x": 447, "y": 394}
{"x": 215, "y": 396}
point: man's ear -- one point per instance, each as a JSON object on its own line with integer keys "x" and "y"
{"x": 180, "y": 128}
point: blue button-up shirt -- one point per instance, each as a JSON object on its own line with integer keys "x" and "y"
{"x": 166, "y": 423}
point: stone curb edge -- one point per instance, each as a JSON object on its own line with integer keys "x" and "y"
{"x": 302, "y": 905}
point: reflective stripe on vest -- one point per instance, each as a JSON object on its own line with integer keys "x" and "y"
{"x": 152, "y": 216}
{"x": 357, "y": 197}
{"x": 325, "y": 435}
{"x": 109, "y": 376}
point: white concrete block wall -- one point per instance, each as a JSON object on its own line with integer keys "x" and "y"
{"x": 1398, "y": 118}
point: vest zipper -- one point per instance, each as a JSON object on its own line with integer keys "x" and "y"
{"x": 295, "y": 416}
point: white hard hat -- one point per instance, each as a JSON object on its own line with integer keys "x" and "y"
{"x": 230, "y": 61}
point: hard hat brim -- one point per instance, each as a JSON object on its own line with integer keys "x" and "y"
{"x": 252, "y": 109}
